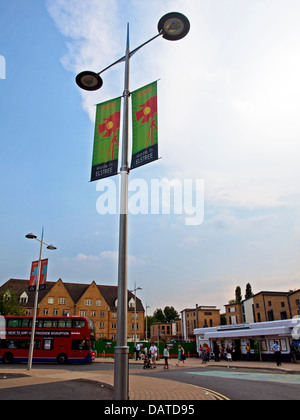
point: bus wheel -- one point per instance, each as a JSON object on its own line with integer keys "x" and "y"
{"x": 7, "y": 358}
{"x": 62, "y": 359}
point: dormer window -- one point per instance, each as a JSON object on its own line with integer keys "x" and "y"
{"x": 24, "y": 298}
{"x": 131, "y": 303}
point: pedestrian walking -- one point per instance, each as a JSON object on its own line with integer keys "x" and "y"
{"x": 248, "y": 350}
{"x": 153, "y": 354}
{"x": 166, "y": 355}
{"x": 137, "y": 352}
{"x": 203, "y": 354}
{"x": 217, "y": 352}
{"x": 293, "y": 353}
{"x": 181, "y": 355}
{"x": 277, "y": 351}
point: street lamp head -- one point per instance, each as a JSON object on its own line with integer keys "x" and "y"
{"x": 31, "y": 236}
{"x": 52, "y": 247}
{"x": 88, "y": 80}
{"x": 174, "y": 26}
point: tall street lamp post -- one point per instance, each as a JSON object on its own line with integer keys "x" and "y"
{"x": 172, "y": 26}
{"x": 36, "y": 296}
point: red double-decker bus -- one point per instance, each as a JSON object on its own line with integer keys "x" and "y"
{"x": 57, "y": 339}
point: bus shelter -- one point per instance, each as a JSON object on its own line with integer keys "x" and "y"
{"x": 259, "y": 336}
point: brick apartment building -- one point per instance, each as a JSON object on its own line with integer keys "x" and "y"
{"x": 97, "y": 302}
{"x": 264, "y": 306}
{"x": 200, "y": 316}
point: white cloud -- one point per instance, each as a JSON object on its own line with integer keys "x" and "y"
{"x": 114, "y": 255}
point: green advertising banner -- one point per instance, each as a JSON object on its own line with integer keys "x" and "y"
{"x": 144, "y": 125}
{"x": 106, "y": 139}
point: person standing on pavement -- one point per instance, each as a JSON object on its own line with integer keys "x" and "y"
{"x": 181, "y": 355}
{"x": 248, "y": 350}
{"x": 166, "y": 355}
{"x": 137, "y": 352}
{"x": 277, "y": 351}
{"x": 293, "y": 353}
{"x": 217, "y": 352}
{"x": 153, "y": 354}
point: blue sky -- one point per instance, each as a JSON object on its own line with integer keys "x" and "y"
{"x": 235, "y": 80}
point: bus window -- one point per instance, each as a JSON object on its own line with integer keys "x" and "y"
{"x": 93, "y": 345}
{"x": 48, "y": 323}
{"x": 39, "y": 323}
{"x": 80, "y": 345}
{"x": 14, "y": 323}
{"x": 26, "y": 323}
{"x": 65, "y": 323}
{"x": 78, "y": 323}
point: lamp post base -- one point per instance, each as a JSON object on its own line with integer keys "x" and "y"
{"x": 121, "y": 373}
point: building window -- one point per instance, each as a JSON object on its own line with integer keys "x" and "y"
{"x": 102, "y": 314}
{"x": 270, "y": 315}
{"x": 114, "y": 314}
{"x": 45, "y": 311}
{"x": 66, "y": 313}
{"x": 113, "y": 326}
{"x": 62, "y": 301}
{"x": 82, "y": 313}
{"x": 269, "y": 303}
{"x": 88, "y": 302}
{"x": 50, "y": 301}
{"x": 101, "y": 325}
{"x": 54, "y": 312}
{"x": 98, "y": 302}
{"x": 24, "y": 298}
{"x": 283, "y": 315}
{"x": 93, "y": 313}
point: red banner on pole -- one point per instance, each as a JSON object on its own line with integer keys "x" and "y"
{"x": 34, "y": 274}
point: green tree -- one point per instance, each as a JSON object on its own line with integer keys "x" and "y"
{"x": 9, "y": 304}
{"x": 170, "y": 314}
{"x": 159, "y": 316}
{"x": 249, "y": 294}
{"x": 238, "y": 294}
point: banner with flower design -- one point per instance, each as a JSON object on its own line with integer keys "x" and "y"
{"x": 106, "y": 139}
{"x": 144, "y": 125}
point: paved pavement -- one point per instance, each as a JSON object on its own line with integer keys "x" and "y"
{"x": 141, "y": 387}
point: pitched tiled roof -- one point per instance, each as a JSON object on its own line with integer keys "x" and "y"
{"x": 75, "y": 290}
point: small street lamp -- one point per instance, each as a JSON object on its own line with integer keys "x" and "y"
{"x": 36, "y": 296}
{"x": 147, "y": 307}
{"x": 134, "y": 291}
